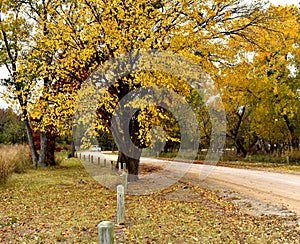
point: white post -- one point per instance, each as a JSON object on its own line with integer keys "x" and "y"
{"x": 111, "y": 165}
{"x": 124, "y": 167}
{"x": 104, "y": 161}
{"x": 287, "y": 159}
{"x": 124, "y": 180}
{"x": 105, "y": 233}
{"x": 120, "y": 205}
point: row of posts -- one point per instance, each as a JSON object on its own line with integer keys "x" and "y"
{"x": 106, "y": 228}
{"x": 90, "y": 158}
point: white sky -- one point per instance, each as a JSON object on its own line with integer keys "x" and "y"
{"x": 283, "y": 2}
{"x": 4, "y": 73}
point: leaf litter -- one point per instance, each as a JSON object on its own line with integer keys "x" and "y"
{"x": 65, "y": 205}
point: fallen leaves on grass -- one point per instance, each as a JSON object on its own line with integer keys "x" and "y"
{"x": 64, "y": 204}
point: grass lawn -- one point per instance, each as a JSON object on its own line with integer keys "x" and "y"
{"x": 64, "y": 205}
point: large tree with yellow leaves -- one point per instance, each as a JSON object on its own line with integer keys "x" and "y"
{"x": 71, "y": 39}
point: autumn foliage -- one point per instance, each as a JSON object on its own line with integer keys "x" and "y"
{"x": 250, "y": 51}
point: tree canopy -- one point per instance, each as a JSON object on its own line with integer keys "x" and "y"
{"x": 250, "y": 50}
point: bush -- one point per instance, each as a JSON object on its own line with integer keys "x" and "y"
{"x": 294, "y": 156}
{"x": 13, "y": 159}
{"x": 60, "y": 156}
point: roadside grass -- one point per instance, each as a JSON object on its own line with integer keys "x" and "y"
{"x": 13, "y": 159}
{"x": 266, "y": 166}
{"x": 64, "y": 204}
{"x": 259, "y": 162}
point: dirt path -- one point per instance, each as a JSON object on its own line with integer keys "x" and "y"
{"x": 264, "y": 191}
{"x": 258, "y": 191}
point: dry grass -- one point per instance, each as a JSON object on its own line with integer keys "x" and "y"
{"x": 13, "y": 159}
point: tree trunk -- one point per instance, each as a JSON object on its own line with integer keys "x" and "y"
{"x": 234, "y": 133}
{"x": 34, "y": 155}
{"x": 72, "y": 153}
{"x": 50, "y": 158}
{"x": 272, "y": 148}
{"x": 295, "y": 143}
{"x": 240, "y": 148}
{"x": 132, "y": 165}
{"x": 292, "y": 130}
{"x": 43, "y": 149}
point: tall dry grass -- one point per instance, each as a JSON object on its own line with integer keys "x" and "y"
{"x": 13, "y": 159}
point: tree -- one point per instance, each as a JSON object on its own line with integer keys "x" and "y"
{"x": 14, "y": 37}
{"x": 208, "y": 33}
{"x": 276, "y": 86}
{"x": 12, "y": 130}
{"x": 29, "y": 84}
{"x": 260, "y": 92}
{"x": 71, "y": 39}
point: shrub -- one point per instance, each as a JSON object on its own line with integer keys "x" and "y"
{"x": 13, "y": 159}
{"x": 294, "y": 156}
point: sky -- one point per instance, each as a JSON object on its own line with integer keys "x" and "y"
{"x": 283, "y": 2}
{"x": 4, "y": 73}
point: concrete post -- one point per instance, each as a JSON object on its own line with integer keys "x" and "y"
{"x": 105, "y": 233}
{"x": 120, "y": 205}
{"x": 124, "y": 180}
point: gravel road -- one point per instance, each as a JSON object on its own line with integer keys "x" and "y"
{"x": 280, "y": 192}
{"x": 277, "y": 189}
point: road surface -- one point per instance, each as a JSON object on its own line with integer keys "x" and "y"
{"x": 279, "y": 189}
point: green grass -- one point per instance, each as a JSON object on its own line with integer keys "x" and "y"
{"x": 64, "y": 204}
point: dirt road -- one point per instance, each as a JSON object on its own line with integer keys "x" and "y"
{"x": 279, "y": 190}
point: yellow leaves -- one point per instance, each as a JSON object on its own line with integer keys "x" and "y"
{"x": 275, "y": 91}
{"x": 72, "y": 39}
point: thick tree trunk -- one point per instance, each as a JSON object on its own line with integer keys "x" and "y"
{"x": 132, "y": 166}
{"x": 43, "y": 149}
{"x": 34, "y": 155}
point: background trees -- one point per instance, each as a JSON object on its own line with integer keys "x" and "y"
{"x": 12, "y": 130}
{"x": 263, "y": 94}
{"x": 250, "y": 50}
{"x": 15, "y": 38}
